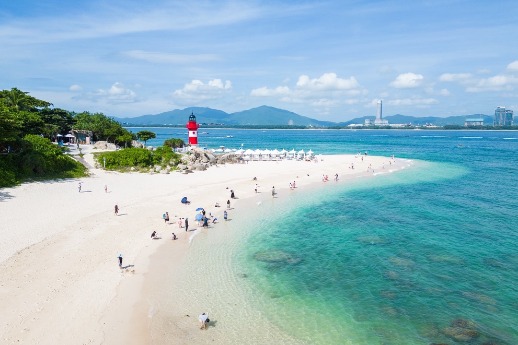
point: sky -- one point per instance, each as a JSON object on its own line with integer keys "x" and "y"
{"x": 329, "y": 60}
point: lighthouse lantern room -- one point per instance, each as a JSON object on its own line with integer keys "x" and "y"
{"x": 192, "y": 128}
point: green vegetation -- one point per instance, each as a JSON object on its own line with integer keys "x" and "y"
{"x": 142, "y": 159}
{"x": 145, "y": 136}
{"x": 27, "y": 126}
{"x": 174, "y": 143}
{"x": 103, "y": 128}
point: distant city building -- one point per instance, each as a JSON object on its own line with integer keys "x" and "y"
{"x": 503, "y": 117}
{"x": 474, "y": 122}
{"x": 379, "y": 114}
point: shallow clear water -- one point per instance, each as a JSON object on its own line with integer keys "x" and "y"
{"x": 423, "y": 256}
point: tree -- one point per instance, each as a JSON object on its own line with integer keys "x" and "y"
{"x": 19, "y": 100}
{"x": 10, "y": 127}
{"x": 145, "y": 136}
{"x": 56, "y": 121}
{"x": 174, "y": 143}
{"x": 103, "y": 127}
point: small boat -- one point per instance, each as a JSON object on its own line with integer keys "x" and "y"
{"x": 230, "y": 136}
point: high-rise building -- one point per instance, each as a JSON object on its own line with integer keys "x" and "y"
{"x": 503, "y": 117}
{"x": 379, "y": 114}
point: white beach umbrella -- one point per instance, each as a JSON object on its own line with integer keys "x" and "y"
{"x": 227, "y": 150}
{"x": 310, "y": 153}
{"x": 240, "y": 152}
{"x": 249, "y": 152}
{"x": 266, "y": 152}
{"x": 275, "y": 152}
{"x": 292, "y": 152}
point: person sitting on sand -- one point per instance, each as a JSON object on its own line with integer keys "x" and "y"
{"x": 204, "y": 320}
{"x": 216, "y": 204}
{"x": 153, "y": 235}
{"x": 174, "y": 236}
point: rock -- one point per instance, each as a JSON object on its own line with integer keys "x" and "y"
{"x": 461, "y": 330}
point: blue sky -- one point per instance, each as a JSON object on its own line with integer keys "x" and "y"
{"x": 329, "y": 60}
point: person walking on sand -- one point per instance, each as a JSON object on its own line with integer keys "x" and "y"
{"x": 120, "y": 260}
{"x": 166, "y": 218}
{"x": 273, "y": 191}
{"x": 228, "y": 203}
{"x": 186, "y": 224}
{"x": 106, "y": 188}
{"x": 204, "y": 320}
{"x": 116, "y": 210}
{"x": 79, "y": 187}
{"x": 225, "y": 215}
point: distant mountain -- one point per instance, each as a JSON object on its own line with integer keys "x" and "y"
{"x": 177, "y": 117}
{"x": 265, "y": 115}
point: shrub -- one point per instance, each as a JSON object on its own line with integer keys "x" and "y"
{"x": 125, "y": 158}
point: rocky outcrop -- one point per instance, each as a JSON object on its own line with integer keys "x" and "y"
{"x": 104, "y": 145}
{"x": 200, "y": 160}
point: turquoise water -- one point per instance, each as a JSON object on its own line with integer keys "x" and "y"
{"x": 423, "y": 256}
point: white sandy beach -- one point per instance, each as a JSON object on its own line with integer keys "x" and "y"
{"x": 60, "y": 282}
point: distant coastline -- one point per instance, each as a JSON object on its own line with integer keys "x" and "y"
{"x": 409, "y": 127}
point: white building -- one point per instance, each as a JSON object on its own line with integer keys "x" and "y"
{"x": 379, "y": 114}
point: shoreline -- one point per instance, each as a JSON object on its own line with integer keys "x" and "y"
{"x": 60, "y": 246}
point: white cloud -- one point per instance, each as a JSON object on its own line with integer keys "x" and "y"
{"x": 322, "y": 93}
{"x": 450, "y": 77}
{"x": 197, "y": 90}
{"x": 412, "y": 101}
{"x": 75, "y": 87}
{"x": 327, "y": 81}
{"x": 266, "y": 92}
{"x": 157, "y": 57}
{"x": 496, "y": 83}
{"x": 513, "y": 66}
{"x": 407, "y": 81}
{"x": 444, "y": 92}
{"x": 116, "y": 94}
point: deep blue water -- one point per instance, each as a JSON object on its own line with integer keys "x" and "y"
{"x": 426, "y": 256}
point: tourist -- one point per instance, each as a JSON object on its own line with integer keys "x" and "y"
{"x": 116, "y": 210}
{"x": 273, "y": 192}
{"x": 232, "y": 195}
{"x": 79, "y": 187}
{"x": 153, "y": 235}
{"x": 225, "y": 215}
{"x": 180, "y": 222}
{"x": 186, "y": 224}
{"x": 228, "y": 204}
{"x": 106, "y": 188}
{"x": 120, "y": 260}
{"x": 166, "y": 218}
{"x": 204, "y": 320}
{"x": 174, "y": 236}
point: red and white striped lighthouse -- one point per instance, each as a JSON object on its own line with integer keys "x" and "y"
{"x": 192, "y": 127}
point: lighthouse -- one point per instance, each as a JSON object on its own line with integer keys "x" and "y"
{"x": 192, "y": 127}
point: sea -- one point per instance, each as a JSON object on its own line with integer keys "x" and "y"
{"x": 427, "y": 255}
